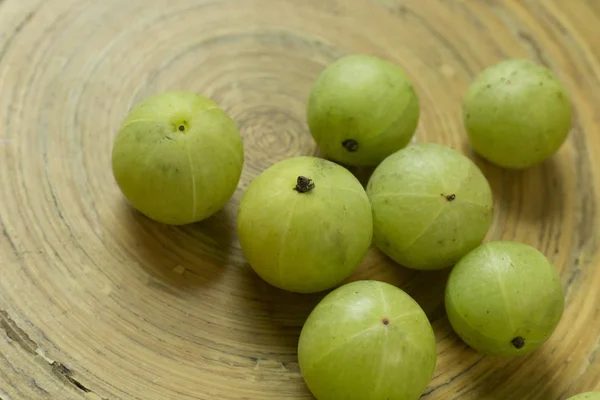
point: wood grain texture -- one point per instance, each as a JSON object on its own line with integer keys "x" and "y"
{"x": 97, "y": 302}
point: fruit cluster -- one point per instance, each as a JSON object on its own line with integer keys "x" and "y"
{"x": 306, "y": 223}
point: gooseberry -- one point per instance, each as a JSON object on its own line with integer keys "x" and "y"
{"x": 177, "y": 157}
{"x": 504, "y": 298}
{"x": 361, "y": 109}
{"x": 305, "y": 224}
{"x": 586, "y": 396}
{"x": 517, "y": 113}
{"x": 367, "y": 340}
{"x": 431, "y": 206}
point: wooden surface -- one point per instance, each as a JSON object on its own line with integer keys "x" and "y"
{"x": 97, "y": 302}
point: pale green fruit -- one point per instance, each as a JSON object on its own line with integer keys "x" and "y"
{"x": 367, "y": 340}
{"x": 586, "y": 396}
{"x": 305, "y": 224}
{"x": 431, "y": 206}
{"x": 361, "y": 109}
{"x": 504, "y": 298}
{"x": 178, "y": 157}
{"x": 517, "y": 113}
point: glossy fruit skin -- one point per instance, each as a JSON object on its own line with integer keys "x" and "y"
{"x": 367, "y": 340}
{"x": 361, "y": 109}
{"x": 586, "y": 396}
{"x": 305, "y": 242}
{"x": 431, "y": 206}
{"x": 177, "y": 157}
{"x": 502, "y": 291}
{"x": 517, "y": 114}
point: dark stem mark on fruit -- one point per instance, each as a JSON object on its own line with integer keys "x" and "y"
{"x": 350, "y": 145}
{"x": 385, "y": 321}
{"x": 168, "y": 138}
{"x": 518, "y": 342}
{"x": 449, "y": 197}
{"x": 304, "y": 184}
{"x": 182, "y": 128}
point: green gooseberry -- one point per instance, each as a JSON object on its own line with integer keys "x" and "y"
{"x": 517, "y": 113}
{"x": 177, "y": 157}
{"x": 431, "y": 206}
{"x": 361, "y": 109}
{"x": 504, "y": 298}
{"x": 367, "y": 340}
{"x": 305, "y": 224}
{"x": 586, "y": 396}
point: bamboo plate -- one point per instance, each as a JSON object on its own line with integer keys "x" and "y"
{"x": 97, "y": 302}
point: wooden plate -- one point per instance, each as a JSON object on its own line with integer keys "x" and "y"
{"x": 98, "y": 302}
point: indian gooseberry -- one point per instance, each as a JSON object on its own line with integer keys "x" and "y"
{"x": 586, "y": 396}
{"x": 367, "y": 340}
{"x": 305, "y": 224}
{"x": 517, "y": 113}
{"x": 431, "y": 206}
{"x": 504, "y": 298}
{"x": 177, "y": 157}
{"x": 361, "y": 109}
